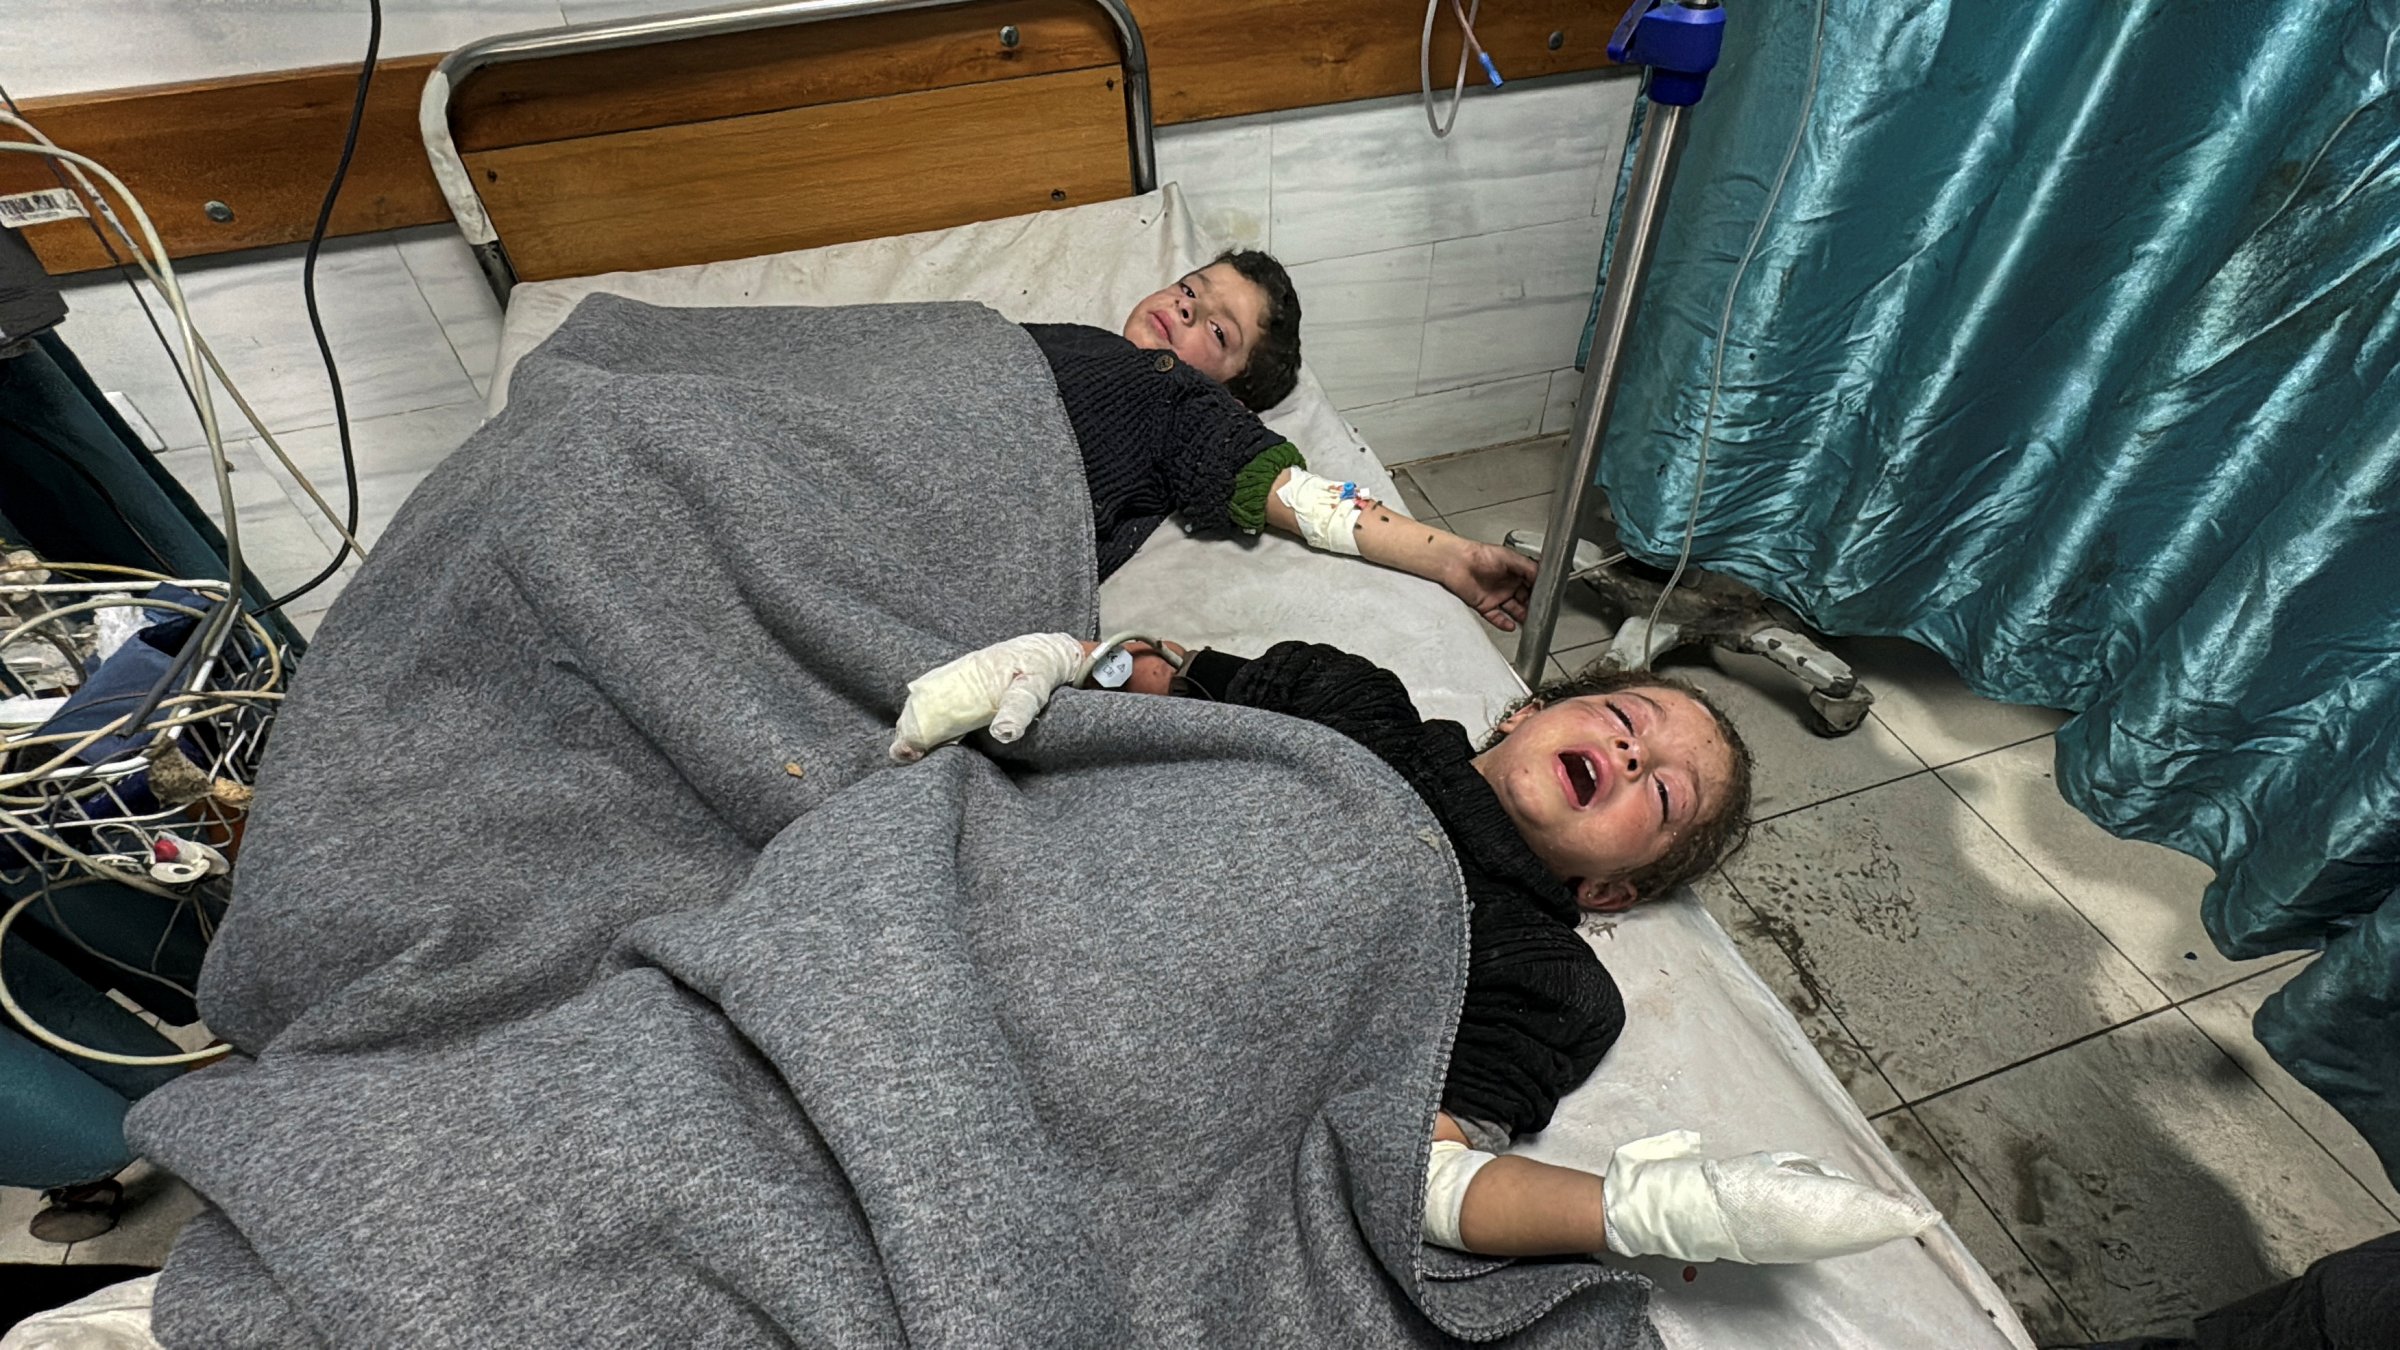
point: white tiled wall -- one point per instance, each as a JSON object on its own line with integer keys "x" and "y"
{"x": 1443, "y": 283}
{"x": 66, "y": 46}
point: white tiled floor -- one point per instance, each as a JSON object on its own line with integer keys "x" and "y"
{"x": 2026, "y": 1005}
{"x": 415, "y": 331}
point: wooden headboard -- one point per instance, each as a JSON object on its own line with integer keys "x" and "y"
{"x": 241, "y": 162}
{"x": 736, "y": 132}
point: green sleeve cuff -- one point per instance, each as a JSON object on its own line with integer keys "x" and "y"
{"x": 1247, "y": 508}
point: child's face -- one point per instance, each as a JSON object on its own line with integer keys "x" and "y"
{"x": 1210, "y": 319}
{"x": 1600, "y": 786}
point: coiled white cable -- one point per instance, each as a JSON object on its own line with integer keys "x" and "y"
{"x": 1466, "y": 44}
{"x": 173, "y": 290}
{"x": 60, "y": 1043}
{"x": 101, "y": 210}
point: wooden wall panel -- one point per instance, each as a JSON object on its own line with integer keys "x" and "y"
{"x": 263, "y": 146}
{"x": 705, "y": 78}
{"x": 806, "y": 176}
{"x": 1224, "y": 58}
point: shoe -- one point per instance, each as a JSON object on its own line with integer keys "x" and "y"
{"x": 74, "y": 1214}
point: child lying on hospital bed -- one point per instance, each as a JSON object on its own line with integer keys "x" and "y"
{"x": 1166, "y": 414}
{"x": 1592, "y": 794}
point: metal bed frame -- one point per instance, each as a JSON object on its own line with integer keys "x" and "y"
{"x": 458, "y": 186}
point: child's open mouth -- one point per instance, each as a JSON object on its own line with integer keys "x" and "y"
{"x": 1583, "y": 776}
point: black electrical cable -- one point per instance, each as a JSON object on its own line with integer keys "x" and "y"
{"x": 316, "y": 325}
{"x": 206, "y": 635}
{"x": 124, "y": 269}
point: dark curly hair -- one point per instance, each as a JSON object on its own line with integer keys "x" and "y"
{"x": 1707, "y": 842}
{"x": 1275, "y": 357}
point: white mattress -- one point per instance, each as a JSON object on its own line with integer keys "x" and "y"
{"x": 1707, "y": 1046}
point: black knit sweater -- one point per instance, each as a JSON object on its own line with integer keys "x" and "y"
{"x": 1158, "y": 438}
{"x": 1540, "y": 1010}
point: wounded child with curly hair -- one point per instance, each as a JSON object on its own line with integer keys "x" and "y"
{"x": 1594, "y": 794}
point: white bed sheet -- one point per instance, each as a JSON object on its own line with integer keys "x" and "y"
{"x": 1707, "y": 1045}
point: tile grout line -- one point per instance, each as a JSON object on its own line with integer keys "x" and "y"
{"x": 1903, "y": 1105}
{"x": 2074, "y": 1314}
{"x": 2055, "y": 888}
{"x": 1992, "y": 750}
{"x": 266, "y": 457}
{"x": 2173, "y": 1003}
{"x": 1461, "y": 456}
{"x": 1913, "y": 752}
{"x": 2174, "y": 1006}
{"x": 1267, "y": 226}
{"x": 2021, "y": 1061}
{"x": 1433, "y": 517}
{"x": 1507, "y": 501}
{"x": 1481, "y": 449}
{"x": 1844, "y": 795}
{"x": 417, "y": 283}
{"x": 1824, "y": 994}
{"x": 2302, "y": 1125}
{"x": 2036, "y": 868}
{"x": 2289, "y": 1114}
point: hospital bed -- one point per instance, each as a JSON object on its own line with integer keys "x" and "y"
{"x": 1707, "y": 1045}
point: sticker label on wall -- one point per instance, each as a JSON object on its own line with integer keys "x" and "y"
{"x": 20, "y": 209}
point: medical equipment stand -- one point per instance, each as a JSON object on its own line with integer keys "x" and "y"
{"x": 1678, "y": 41}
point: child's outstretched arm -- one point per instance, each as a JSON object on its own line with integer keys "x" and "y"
{"x": 1660, "y": 1197}
{"x": 1493, "y": 581}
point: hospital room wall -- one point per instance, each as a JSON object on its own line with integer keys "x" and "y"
{"x": 1444, "y": 281}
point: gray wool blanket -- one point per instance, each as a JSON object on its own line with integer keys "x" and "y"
{"x": 598, "y": 982}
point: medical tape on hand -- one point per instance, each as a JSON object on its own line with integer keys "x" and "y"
{"x": 1326, "y": 511}
{"x": 1447, "y": 1173}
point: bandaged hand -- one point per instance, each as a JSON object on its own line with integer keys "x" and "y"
{"x": 1003, "y": 686}
{"x": 1665, "y": 1199}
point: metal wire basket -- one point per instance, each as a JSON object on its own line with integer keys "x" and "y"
{"x": 144, "y": 783}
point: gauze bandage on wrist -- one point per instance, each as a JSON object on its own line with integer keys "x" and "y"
{"x": 1326, "y": 511}
{"x": 1665, "y": 1199}
{"x": 1005, "y": 685}
{"x": 1447, "y": 1173}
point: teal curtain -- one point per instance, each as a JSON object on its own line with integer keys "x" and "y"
{"x": 2072, "y": 350}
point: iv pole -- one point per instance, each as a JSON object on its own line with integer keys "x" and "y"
{"x": 1678, "y": 42}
